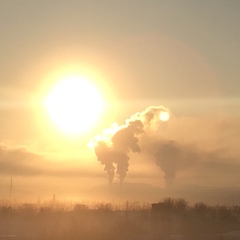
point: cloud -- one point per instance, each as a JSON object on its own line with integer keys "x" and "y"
{"x": 18, "y": 161}
{"x": 21, "y": 162}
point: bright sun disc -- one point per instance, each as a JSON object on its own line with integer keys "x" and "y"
{"x": 164, "y": 116}
{"x": 74, "y": 105}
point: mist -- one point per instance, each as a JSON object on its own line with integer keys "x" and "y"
{"x": 177, "y": 148}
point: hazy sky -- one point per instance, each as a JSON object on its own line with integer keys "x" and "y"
{"x": 183, "y": 55}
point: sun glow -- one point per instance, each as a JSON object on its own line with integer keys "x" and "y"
{"x": 164, "y": 116}
{"x": 74, "y": 105}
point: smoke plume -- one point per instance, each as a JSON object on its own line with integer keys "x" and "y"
{"x": 170, "y": 155}
{"x": 146, "y": 133}
{"x": 113, "y": 146}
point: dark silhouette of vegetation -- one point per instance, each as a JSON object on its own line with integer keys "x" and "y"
{"x": 167, "y": 219}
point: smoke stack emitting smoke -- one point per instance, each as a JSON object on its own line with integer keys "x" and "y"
{"x": 113, "y": 146}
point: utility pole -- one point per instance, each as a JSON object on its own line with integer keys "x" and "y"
{"x": 11, "y": 186}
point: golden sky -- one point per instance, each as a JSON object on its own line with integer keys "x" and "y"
{"x": 129, "y": 57}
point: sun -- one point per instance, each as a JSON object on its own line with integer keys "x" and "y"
{"x": 74, "y": 104}
{"x": 164, "y": 116}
